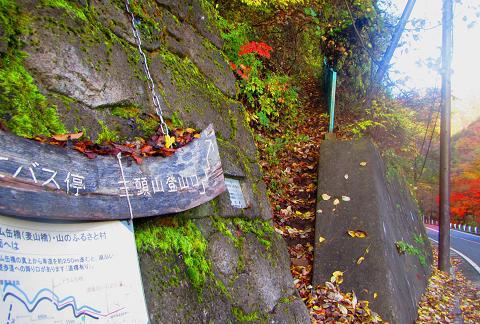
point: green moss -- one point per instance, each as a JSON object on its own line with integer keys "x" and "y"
{"x": 188, "y": 78}
{"x": 233, "y": 124}
{"x": 22, "y": 107}
{"x": 241, "y": 316}
{"x": 261, "y": 229}
{"x": 221, "y": 225}
{"x": 70, "y": 8}
{"x": 146, "y": 124}
{"x": 126, "y": 111}
{"x": 66, "y": 101}
{"x": 186, "y": 240}
{"x": 150, "y": 27}
{"x": 286, "y": 300}
{"x": 106, "y": 135}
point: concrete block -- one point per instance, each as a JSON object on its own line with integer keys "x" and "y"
{"x": 384, "y": 209}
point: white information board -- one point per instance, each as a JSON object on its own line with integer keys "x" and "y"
{"x": 69, "y": 273}
{"x": 234, "y": 188}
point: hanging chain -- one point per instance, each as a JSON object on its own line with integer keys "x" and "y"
{"x": 151, "y": 84}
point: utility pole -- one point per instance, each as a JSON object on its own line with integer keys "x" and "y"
{"x": 444, "y": 229}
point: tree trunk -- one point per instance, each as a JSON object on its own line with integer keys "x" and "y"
{"x": 384, "y": 64}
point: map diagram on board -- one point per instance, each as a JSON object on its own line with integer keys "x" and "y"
{"x": 69, "y": 273}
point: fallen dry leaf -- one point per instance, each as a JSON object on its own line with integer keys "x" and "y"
{"x": 169, "y": 141}
{"x": 345, "y": 198}
{"x": 360, "y": 259}
{"x": 342, "y": 309}
{"x": 326, "y": 196}
{"x": 66, "y": 137}
{"x": 363, "y": 163}
{"x": 336, "y": 202}
{"x": 357, "y": 233}
{"x": 321, "y": 239}
{"x": 337, "y": 276}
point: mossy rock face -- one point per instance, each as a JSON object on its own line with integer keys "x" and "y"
{"x": 86, "y": 52}
{"x": 78, "y": 60}
{"x": 196, "y": 14}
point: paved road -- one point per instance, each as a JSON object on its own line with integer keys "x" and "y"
{"x": 466, "y": 246}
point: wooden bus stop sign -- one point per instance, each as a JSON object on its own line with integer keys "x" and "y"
{"x": 44, "y": 181}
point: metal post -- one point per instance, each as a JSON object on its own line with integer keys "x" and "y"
{"x": 331, "y": 101}
{"x": 444, "y": 231}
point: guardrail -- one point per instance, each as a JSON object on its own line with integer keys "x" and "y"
{"x": 458, "y": 227}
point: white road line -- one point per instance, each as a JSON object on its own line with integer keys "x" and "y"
{"x": 470, "y": 261}
{"x": 460, "y": 238}
{"x": 453, "y": 230}
{"x": 467, "y": 240}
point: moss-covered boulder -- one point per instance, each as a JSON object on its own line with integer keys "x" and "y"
{"x": 217, "y": 270}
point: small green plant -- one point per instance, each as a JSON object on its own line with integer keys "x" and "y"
{"x": 106, "y": 135}
{"x": 403, "y": 247}
{"x": 268, "y": 96}
{"x": 176, "y": 120}
{"x": 419, "y": 239}
{"x": 302, "y": 138}
{"x": 359, "y": 128}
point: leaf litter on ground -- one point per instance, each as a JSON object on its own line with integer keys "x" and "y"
{"x": 157, "y": 145}
{"x": 291, "y": 181}
{"x": 437, "y": 304}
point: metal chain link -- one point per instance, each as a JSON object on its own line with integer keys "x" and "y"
{"x": 151, "y": 84}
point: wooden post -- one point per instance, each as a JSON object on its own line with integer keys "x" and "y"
{"x": 38, "y": 180}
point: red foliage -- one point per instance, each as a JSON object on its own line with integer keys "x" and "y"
{"x": 243, "y": 71}
{"x": 260, "y": 48}
{"x": 465, "y": 198}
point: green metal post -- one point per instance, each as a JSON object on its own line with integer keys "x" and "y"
{"x": 331, "y": 99}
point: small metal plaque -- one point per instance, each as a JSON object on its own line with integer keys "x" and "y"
{"x": 236, "y": 195}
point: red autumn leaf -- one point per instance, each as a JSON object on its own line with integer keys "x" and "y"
{"x": 90, "y": 154}
{"x": 137, "y": 158}
{"x": 146, "y": 149}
